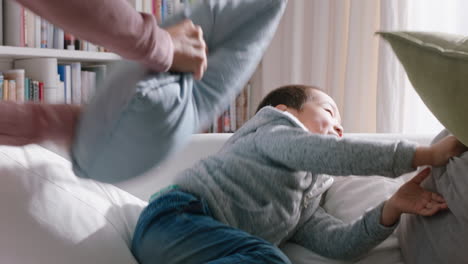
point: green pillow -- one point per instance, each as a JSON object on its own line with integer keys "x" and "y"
{"x": 437, "y": 66}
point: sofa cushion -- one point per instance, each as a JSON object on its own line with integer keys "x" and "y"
{"x": 437, "y": 66}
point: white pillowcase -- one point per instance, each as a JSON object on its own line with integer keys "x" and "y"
{"x": 51, "y": 216}
{"x": 348, "y": 199}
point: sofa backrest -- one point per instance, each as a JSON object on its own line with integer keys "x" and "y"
{"x": 203, "y": 145}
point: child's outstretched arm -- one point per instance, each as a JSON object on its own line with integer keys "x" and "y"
{"x": 331, "y": 155}
{"x": 413, "y": 199}
{"x": 22, "y": 124}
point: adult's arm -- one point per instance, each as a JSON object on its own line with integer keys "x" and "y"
{"x": 28, "y": 123}
{"x": 113, "y": 24}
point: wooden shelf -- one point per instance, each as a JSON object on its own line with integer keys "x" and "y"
{"x": 9, "y": 53}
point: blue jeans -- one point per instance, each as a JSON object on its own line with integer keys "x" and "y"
{"x": 178, "y": 227}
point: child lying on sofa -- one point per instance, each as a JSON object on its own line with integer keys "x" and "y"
{"x": 265, "y": 185}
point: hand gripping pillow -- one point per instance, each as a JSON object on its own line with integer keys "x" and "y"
{"x": 437, "y": 66}
{"x": 442, "y": 238}
{"x": 138, "y": 118}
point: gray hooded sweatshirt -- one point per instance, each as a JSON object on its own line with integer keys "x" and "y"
{"x": 269, "y": 177}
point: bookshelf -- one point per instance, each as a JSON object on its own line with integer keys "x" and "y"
{"x": 8, "y": 54}
{"x": 41, "y": 64}
{"x": 27, "y": 34}
{"x": 62, "y": 55}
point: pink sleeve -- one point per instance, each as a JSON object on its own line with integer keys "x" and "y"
{"x": 22, "y": 124}
{"x": 55, "y": 122}
{"x": 113, "y": 24}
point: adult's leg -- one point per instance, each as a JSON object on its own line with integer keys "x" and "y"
{"x": 178, "y": 228}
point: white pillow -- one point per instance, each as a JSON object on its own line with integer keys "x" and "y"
{"x": 348, "y": 199}
{"x": 51, "y": 216}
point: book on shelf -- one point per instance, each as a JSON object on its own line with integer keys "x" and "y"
{"x": 100, "y": 72}
{"x": 84, "y": 87}
{"x": 137, "y": 4}
{"x": 147, "y": 6}
{"x": 88, "y": 85}
{"x": 1, "y": 28}
{"x": 58, "y": 38}
{"x": 69, "y": 41}
{"x": 30, "y": 28}
{"x": 170, "y": 7}
{"x": 43, "y": 70}
{"x": 21, "y": 27}
{"x": 68, "y": 85}
{"x": 235, "y": 115}
{"x": 44, "y": 28}
{"x": 16, "y": 77}
{"x": 162, "y": 9}
{"x": 1, "y": 87}
{"x": 156, "y": 10}
{"x": 5, "y": 89}
{"x": 44, "y": 80}
{"x": 50, "y": 35}
{"x": 64, "y": 72}
{"x": 76, "y": 83}
{"x": 26, "y": 88}
{"x": 13, "y": 23}
{"x": 37, "y": 31}
{"x": 39, "y": 92}
{"x": 12, "y": 90}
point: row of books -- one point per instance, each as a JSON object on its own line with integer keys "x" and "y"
{"x": 160, "y": 8}
{"x": 235, "y": 115}
{"x": 15, "y": 87}
{"x": 44, "y": 80}
{"x": 22, "y": 28}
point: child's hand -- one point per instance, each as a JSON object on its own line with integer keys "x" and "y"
{"x": 439, "y": 153}
{"x": 413, "y": 199}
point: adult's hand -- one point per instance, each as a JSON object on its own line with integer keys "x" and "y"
{"x": 190, "y": 52}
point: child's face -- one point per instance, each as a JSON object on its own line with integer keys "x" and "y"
{"x": 320, "y": 115}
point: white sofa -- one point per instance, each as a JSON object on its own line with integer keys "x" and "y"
{"x": 51, "y": 216}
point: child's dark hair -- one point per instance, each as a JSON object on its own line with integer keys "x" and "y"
{"x": 294, "y": 96}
